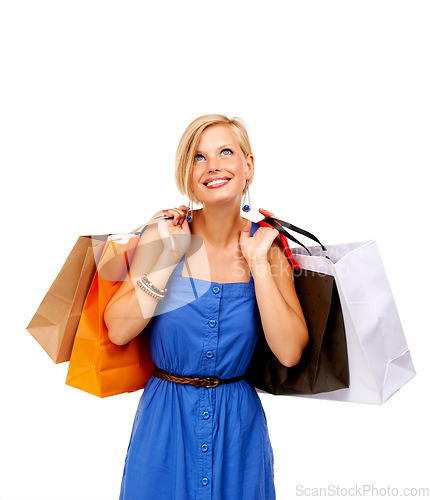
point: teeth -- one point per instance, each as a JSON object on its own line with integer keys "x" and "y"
{"x": 219, "y": 181}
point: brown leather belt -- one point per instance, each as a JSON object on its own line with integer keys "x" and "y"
{"x": 196, "y": 381}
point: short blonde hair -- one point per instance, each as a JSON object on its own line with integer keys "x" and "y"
{"x": 189, "y": 141}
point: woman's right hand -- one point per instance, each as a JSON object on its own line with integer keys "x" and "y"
{"x": 175, "y": 233}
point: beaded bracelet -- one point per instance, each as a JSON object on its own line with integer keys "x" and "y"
{"x": 145, "y": 280}
{"x": 149, "y": 291}
{"x": 144, "y": 284}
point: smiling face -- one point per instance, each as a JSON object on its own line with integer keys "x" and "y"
{"x": 219, "y": 156}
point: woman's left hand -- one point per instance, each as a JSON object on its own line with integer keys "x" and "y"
{"x": 255, "y": 248}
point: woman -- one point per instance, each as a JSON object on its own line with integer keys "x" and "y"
{"x": 210, "y": 441}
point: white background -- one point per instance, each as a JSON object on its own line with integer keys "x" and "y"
{"x": 94, "y": 98}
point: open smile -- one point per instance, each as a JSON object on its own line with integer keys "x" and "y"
{"x": 217, "y": 183}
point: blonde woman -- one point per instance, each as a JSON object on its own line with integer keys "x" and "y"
{"x": 200, "y": 430}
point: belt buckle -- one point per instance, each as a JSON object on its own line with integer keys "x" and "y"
{"x": 214, "y": 383}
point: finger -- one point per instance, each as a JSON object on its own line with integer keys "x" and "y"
{"x": 246, "y": 230}
{"x": 267, "y": 212}
{"x": 172, "y": 212}
{"x": 275, "y": 233}
{"x": 178, "y": 216}
{"x": 269, "y": 234}
{"x": 182, "y": 209}
{"x": 183, "y": 212}
{"x": 168, "y": 212}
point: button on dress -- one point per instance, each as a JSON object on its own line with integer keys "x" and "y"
{"x": 191, "y": 443}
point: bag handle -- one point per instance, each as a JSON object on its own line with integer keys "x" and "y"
{"x": 267, "y": 221}
{"x": 152, "y": 221}
{"x": 278, "y": 223}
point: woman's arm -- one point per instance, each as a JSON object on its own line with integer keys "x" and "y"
{"x": 281, "y": 314}
{"x": 130, "y": 308}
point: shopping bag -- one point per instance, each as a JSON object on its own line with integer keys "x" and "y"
{"x": 379, "y": 359}
{"x": 55, "y": 322}
{"x": 323, "y": 366}
{"x": 97, "y": 365}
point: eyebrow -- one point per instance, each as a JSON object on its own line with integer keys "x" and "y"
{"x": 231, "y": 145}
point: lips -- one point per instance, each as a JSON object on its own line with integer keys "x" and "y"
{"x": 216, "y": 178}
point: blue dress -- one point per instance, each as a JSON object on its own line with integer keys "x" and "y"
{"x": 191, "y": 443}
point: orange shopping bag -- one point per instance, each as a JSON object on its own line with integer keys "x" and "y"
{"x": 97, "y": 365}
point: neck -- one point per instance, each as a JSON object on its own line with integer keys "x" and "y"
{"x": 219, "y": 226}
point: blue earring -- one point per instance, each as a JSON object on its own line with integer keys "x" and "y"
{"x": 190, "y": 212}
{"x": 246, "y": 207}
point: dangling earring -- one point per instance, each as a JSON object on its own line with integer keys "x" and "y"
{"x": 190, "y": 212}
{"x": 246, "y": 208}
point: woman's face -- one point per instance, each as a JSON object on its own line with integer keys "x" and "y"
{"x": 219, "y": 155}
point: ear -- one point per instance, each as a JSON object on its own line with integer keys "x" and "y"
{"x": 250, "y": 164}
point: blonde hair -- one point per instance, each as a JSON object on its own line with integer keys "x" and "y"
{"x": 189, "y": 142}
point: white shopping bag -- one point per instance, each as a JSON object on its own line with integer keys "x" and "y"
{"x": 379, "y": 359}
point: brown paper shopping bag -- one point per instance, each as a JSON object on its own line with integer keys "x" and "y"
{"x": 56, "y": 320}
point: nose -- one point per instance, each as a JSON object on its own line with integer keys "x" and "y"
{"x": 213, "y": 167}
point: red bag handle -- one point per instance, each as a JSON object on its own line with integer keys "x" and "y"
{"x": 287, "y": 250}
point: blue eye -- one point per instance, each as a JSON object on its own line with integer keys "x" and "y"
{"x": 225, "y": 149}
